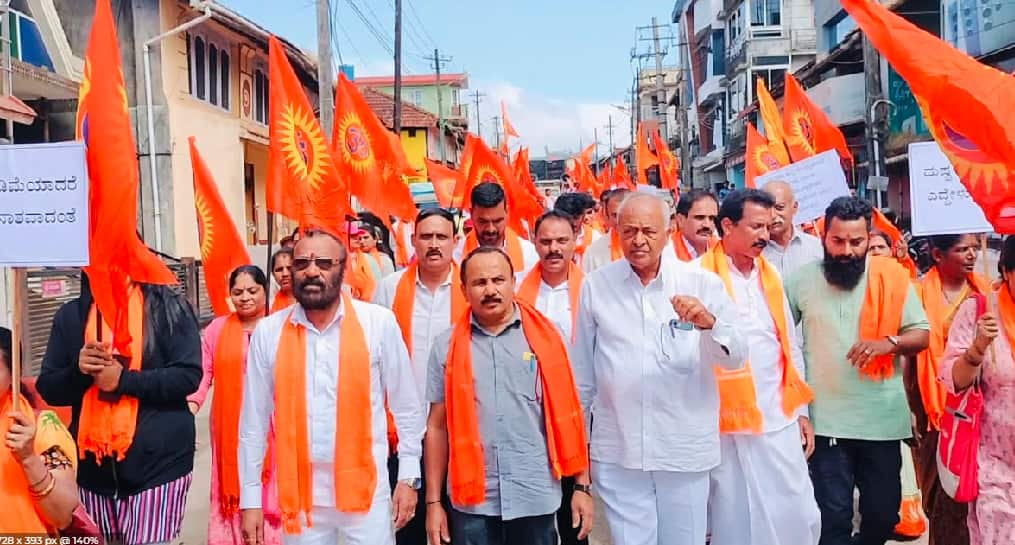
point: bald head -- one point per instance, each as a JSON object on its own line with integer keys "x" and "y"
{"x": 645, "y": 207}
{"x": 643, "y": 225}
{"x": 786, "y": 205}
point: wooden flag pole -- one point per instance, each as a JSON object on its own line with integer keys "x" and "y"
{"x": 991, "y": 298}
{"x": 271, "y": 237}
{"x": 15, "y": 276}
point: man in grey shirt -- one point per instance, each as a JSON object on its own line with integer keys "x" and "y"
{"x": 507, "y": 489}
{"x": 789, "y": 248}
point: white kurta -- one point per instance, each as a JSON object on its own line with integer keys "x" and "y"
{"x": 554, "y": 303}
{"x": 761, "y": 493}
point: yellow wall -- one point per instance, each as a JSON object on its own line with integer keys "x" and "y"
{"x": 415, "y": 149}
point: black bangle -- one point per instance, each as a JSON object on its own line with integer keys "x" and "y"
{"x": 586, "y": 488}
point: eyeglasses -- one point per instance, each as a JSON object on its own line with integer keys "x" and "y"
{"x": 323, "y": 263}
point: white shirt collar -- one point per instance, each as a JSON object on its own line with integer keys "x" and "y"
{"x": 299, "y": 317}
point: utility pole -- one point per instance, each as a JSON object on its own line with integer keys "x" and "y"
{"x": 595, "y": 150}
{"x": 872, "y": 78}
{"x": 437, "y": 60}
{"x": 325, "y": 77}
{"x": 496, "y": 130}
{"x": 660, "y": 84}
{"x": 476, "y": 95}
{"x": 397, "y": 121}
{"x": 609, "y": 130}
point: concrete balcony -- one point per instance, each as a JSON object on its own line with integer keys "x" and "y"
{"x": 712, "y": 89}
{"x": 841, "y": 98}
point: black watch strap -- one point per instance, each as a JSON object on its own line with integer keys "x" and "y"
{"x": 586, "y": 488}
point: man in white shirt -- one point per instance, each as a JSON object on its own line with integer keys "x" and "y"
{"x": 606, "y": 249}
{"x": 761, "y": 492}
{"x": 554, "y": 284}
{"x": 789, "y": 247}
{"x": 346, "y": 346}
{"x": 650, "y": 331}
{"x": 489, "y": 216}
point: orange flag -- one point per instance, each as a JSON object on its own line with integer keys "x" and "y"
{"x": 222, "y": 249}
{"x": 967, "y": 105}
{"x": 605, "y": 177}
{"x": 881, "y": 222}
{"x": 808, "y": 130}
{"x": 117, "y": 255}
{"x": 369, "y": 157}
{"x": 524, "y": 175}
{"x": 444, "y": 181}
{"x": 669, "y": 165}
{"x": 646, "y": 159}
{"x": 302, "y": 181}
{"x": 464, "y": 165}
{"x": 509, "y": 129}
{"x": 621, "y": 176}
{"x": 759, "y": 159}
{"x": 773, "y": 123}
{"x": 488, "y": 166}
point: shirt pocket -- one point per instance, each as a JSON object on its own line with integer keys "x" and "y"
{"x": 522, "y": 377}
{"x": 676, "y": 347}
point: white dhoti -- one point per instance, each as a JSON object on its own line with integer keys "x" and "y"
{"x": 761, "y": 493}
{"x": 653, "y": 507}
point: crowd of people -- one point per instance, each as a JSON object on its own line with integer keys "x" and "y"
{"x": 707, "y": 369}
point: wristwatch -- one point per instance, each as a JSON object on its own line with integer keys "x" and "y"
{"x": 586, "y": 488}
{"x": 414, "y": 484}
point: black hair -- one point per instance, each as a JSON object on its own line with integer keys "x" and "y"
{"x": 1006, "y": 263}
{"x": 688, "y": 200}
{"x": 605, "y": 195}
{"x": 488, "y": 195}
{"x": 882, "y": 234}
{"x": 555, "y": 214}
{"x": 848, "y": 209}
{"x": 253, "y": 271}
{"x": 438, "y": 212}
{"x": 276, "y": 255}
{"x": 574, "y": 204}
{"x": 944, "y": 242}
{"x": 480, "y": 251}
{"x": 733, "y": 205}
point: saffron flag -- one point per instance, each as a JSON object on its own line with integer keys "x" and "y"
{"x": 881, "y": 223}
{"x": 509, "y": 129}
{"x": 967, "y": 105}
{"x": 773, "y": 123}
{"x": 118, "y": 256}
{"x": 759, "y": 158}
{"x": 464, "y": 164}
{"x": 303, "y": 183}
{"x": 222, "y": 249}
{"x": 808, "y": 130}
{"x": 444, "y": 181}
{"x": 646, "y": 159}
{"x": 622, "y": 176}
{"x": 489, "y": 167}
{"x": 524, "y": 175}
{"x": 369, "y": 156}
{"x": 669, "y": 165}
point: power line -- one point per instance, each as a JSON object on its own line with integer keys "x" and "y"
{"x": 412, "y": 13}
{"x": 370, "y": 27}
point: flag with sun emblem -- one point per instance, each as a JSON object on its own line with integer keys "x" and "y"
{"x": 772, "y": 121}
{"x": 370, "y": 156}
{"x": 489, "y": 167}
{"x": 222, "y": 249}
{"x": 808, "y": 130}
{"x": 759, "y": 158}
{"x": 444, "y": 181}
{"x": 967, "y": 105}
{"x": 303, "y": 184}
{"x": 117, "y": 255}
{"x": 669, "y": 166}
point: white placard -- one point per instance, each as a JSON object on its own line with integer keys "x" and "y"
{"x": 939, "y": 202}
{"x": 43, "y": 205}
{"x": 816, "y": 181}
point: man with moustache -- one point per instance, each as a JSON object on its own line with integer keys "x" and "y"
{"x": 581, "y": 207}
{"x": 425, "y": 298}
{"x": 858, "y": 315}
{"x": 696, "y": 212}
{"x": 505, "y": 420}
{"x": 329, "y": 355}
{"x": 606, "y": 249}
{"x": 489, "y": 215}
{"x": 789, "y": 247}
{"x": 650, "y": 331}
{"x": 761, "y": 493}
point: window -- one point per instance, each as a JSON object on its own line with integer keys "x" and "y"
{"x": 718, "y": 52}
{"x": 838, "y": 29}
{"x": 734, "y": 26}
{"x": 774, "y": 77}
{"x": 209, "y": 64}
{"x": 766, "y": 13}
{"x": 417, "y": 97}
{"x": 260, "y": 97}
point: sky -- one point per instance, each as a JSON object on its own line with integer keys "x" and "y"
{"x": 562, "y": 67}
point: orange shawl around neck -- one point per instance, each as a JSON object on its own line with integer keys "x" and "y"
{"x": 932, "y": 392}
{"x": 881, "y": 314}
{"x": 680, "y": 246}
{"x": 401, "y": 251}
{"x": 359, "y": 277}
{"x": 106, "y": 428}
{"x": 283, "y": 300}
{"x": 355, "y": 470}
{"x": 1006, "y": 313}
{"x": 616, "y": 250}
{"x": 738, "y": 404}
{"x": 405, "y": 300}
{"x": 584, "y": 241}
{"x": 529, "y": 290}
{"x": 513, "y": 247}
{"x": 19, "y": 515}
{"x": 566, "y": 441}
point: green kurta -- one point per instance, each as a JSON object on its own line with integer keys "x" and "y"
{"x": 847, "y": 405}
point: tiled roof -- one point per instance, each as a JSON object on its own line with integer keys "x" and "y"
{"x": 461, "y": 80}
{"x": 413, "y": 117}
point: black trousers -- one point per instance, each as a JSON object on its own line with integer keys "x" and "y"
{"x": 840, "y": 465}
{"x": 413, "y": 533}
{"x": 483, "y": 530}
{"x": 568, "y": 535}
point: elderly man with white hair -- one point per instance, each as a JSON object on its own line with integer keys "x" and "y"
{"x": 650, "y": 333}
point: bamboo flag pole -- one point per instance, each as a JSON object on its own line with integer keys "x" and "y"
{"x": 15, "y": 275}
{"x": 991, "y": 298}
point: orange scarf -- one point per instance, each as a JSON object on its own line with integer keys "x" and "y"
{"x": 401, "y": 251}
{"x": 19, "y": 514}
{"x": 230, "y": 362}
{"x": 511, "y": 243}
{"x": 680, "y": 245}
{"x": 932, "y": 392}
{"x": 282, "y": 301}
{"x": 359, "y": 277}
{"x": 881, "y": 314}
{"x": 355, "y": 470}
{"x": 566, "y": 442}
{"x": 584, "y": 241}
{"x": 106, "y": 428}
{"x": 405, "y": 300}
{"x": 529, "y": 290}
{"x": 738, "y": 404}
{"x": 1006, "y": 313}
{"x": 616, "y": 250}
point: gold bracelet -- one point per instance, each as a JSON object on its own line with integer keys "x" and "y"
{"x": 46, "y": 491}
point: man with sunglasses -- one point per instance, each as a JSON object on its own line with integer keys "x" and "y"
{"x": 329, "y": 364}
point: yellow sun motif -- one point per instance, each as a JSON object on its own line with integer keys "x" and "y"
{"x": 801, "y": 131}
{"x": 205, "y": 226}
{"x": 765, "y": 160}
{"x": 973, "y": 166}
{"x": 306, "y": 152}
{"x": 487, "y": 175}
{"x": 353, "y": 142}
